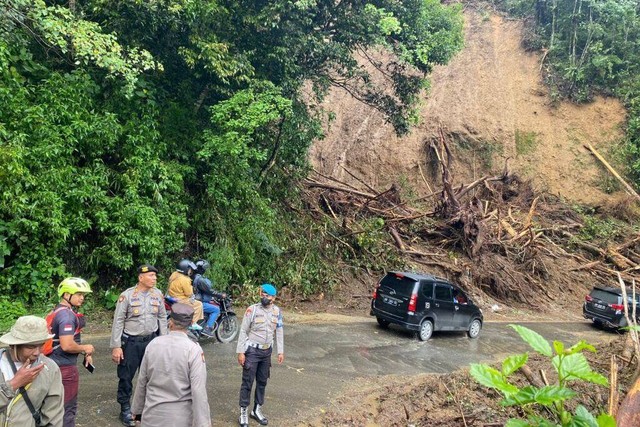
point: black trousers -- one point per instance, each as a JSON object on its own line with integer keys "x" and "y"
{"x": 257, "y": 367}
{"x": 133, "y": 349}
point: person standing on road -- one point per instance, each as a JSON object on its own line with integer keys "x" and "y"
{"x": 140, "y": 316}
{"x": 29, "y": 378}
{"x": 181, "y": 288}
{"x": 172, "y": 384}
{"x": 262, "y": 323}
{"x": 66, "y": 325}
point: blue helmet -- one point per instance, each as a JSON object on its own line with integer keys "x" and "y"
{"x": 269, "y": 289}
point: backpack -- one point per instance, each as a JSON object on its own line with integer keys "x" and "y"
{"x": 49, "y": 346}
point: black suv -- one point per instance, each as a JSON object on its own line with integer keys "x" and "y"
{"x": 424, "y": 303}
{"x": 604, "y": 306}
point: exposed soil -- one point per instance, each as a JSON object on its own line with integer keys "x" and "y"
{"x": 489, "y": 92}
{"x": 491, "y": 104}
{"x": 493, "y": 107}
{"x": 456, "y": 399}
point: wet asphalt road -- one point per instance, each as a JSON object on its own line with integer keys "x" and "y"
{"x": 320, "y": 360}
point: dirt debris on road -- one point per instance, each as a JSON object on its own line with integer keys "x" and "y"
{"x": 455, "y": 400}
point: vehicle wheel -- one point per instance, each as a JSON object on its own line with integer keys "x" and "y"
{"x": 228, "y": 329}
{"x": 426, "y": 330}
{"x": 474, "y": 328}
{"x": 384, "y": 324}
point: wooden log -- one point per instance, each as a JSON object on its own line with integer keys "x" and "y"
{"x": 629, "y": 410}
{"x": 533, "y": 380}
{"x": 629, "y": 189}
{"x": 613, "y": 387}
{"x": 344, "y": 190}
{"x": 397, "y": 238}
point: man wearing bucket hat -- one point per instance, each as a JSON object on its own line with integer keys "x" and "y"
{"x": 172, "y": 384}
{"x": 31, "y": 392}
{"x": 262, "y": 323}
{"x": 139, "y": 317}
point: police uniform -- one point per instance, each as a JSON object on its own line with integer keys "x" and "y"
{"x": 178, "y": 398}
{"x": 260, "y": 326}
{"x": 139, "y": 317}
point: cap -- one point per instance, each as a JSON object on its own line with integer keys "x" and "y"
{"x": 269, "y": 289}
{"x": 182, "y": 314}
{"x": 145, "y": 268}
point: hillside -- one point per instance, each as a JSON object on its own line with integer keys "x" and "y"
{"x": 492, "y": 106}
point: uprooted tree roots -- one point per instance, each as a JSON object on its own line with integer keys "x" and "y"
{"x": 494, "y": 235}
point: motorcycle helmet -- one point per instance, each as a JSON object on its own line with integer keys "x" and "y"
{"x": 72, "y": 285}
{"x": 185, "y": 265}
{"x": 202, "y": 266}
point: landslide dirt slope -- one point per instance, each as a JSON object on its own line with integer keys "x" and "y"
{"x": 488, "y": 97}
{"x": 492, "y": 105}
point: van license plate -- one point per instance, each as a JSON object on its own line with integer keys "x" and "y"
{"x": 599, "y": 306}
{"x": 390, "y": 301}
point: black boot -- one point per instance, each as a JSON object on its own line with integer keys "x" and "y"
{"x": 244, "y": 419}
{"x": 257, "y": 415}
{"x": 125, "y": 416}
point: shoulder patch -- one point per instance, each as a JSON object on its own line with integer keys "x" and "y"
{"x": 121, "y": 298}
{"x": 249, "y": 311}
{"x": 202, "y": 354}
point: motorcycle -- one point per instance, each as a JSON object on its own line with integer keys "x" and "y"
{"x": 225, "y": 328}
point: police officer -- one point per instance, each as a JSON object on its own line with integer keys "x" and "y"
{"x": 139, "y": 317}
{"x": 262, "y": 323}
{"x": 180, "y": 398}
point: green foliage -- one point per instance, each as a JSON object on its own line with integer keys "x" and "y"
{"x": 525, "y": 142}
{"x": 10, "y": 310}
{"x": 570, "y": 365}
{"x": 110, "y": 298}
{"x": 142, "y": 132}
{"x": 77, "y": 41}
{"x": 596, "y": 228}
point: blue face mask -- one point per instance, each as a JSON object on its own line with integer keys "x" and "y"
{"x": 265, "y": 301}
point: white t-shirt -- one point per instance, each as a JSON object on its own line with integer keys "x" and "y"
{"x": 5, "y": 366}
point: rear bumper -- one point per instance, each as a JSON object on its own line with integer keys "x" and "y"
{"x": 597, "y": 317}
{"x": 412, "y": 323}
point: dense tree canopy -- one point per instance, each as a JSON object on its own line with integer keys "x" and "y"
{"x": 142, "y": 131}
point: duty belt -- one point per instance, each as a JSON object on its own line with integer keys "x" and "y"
{"x": 138, "y": 338}
{"x": 260, "y": 346}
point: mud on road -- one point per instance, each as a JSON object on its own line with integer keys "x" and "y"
{"x": 323, "y": 360}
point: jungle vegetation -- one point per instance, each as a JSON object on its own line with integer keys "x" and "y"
{"x": 146, "y": 131}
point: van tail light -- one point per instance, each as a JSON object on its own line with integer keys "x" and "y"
{"x": 375, "y": 292}
{"x": 617, "y": 307}
{"x": 413, "y": 302}
{"x": 588, "y": 298}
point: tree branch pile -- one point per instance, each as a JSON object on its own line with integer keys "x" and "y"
{"x": 494, "y": 235}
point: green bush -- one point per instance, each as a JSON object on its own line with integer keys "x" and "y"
{"x": 545, "y": 406}
{"x": 10, "y": 310}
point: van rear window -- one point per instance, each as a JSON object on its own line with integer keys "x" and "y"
{"x": 402, "y": 285}
{"x": 605, "y": 296}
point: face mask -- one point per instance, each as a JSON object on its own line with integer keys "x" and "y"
{"x": 265, "y": 301}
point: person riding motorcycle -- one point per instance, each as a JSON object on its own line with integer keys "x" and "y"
{"x": 181, "y": 288}
{"x": 204, "y": 292}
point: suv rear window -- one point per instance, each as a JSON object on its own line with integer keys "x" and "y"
{"x": 604, "y": 296}
{"x": 402, "y": 285}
